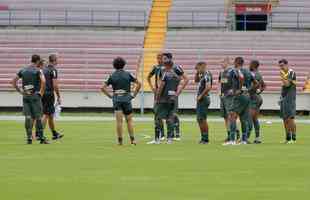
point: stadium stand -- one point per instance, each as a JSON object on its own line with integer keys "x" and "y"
{"x": 268, "y": 47}
{"x": 80, "y": 68}
{"x": 85, "y": 56}
{"x": 75, "y": 12}
{"x": 197, "y": 13}
{"x": 291, "y": 14}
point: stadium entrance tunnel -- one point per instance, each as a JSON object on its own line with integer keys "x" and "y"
{"x": 252, "y": 17}
{"x": 256, "y": 22}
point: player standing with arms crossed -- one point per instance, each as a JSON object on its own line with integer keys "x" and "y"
{"x": 121, "y": 80}
{"x": 248, "y": 83}
{"x": 256, "y": 99}
{"x": 33, "y": 86}
{"x": 204, "y": 79}
{"x": 288, "y": 100}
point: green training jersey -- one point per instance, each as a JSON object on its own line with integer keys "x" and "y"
{"x": 259, "y": 78}
{"x": 223, "y": 80}
{"x": 205, "y": 80}
{"x": 172, "y": 79}
{"x": 157, "y": 71}
{"x": 248, "y": 79}
{"x": 30, "y": 79}
{"x": 121, "y": 83}
{"x": 233, "y": 84}
{"x": 290, "y": 90}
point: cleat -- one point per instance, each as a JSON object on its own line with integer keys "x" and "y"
{"x": 29, "y": 141}
{"x": 154, "y": 142}
{"x": 227, "y": 143}
{"x": 203, "y": 142}
{"x": 169, "y": 141}
{"x": 289, "y": 142}
{"x": 257, "y": 142}
{"x": 57, "y": 136}
{"x": 235, "y": 143}
{"x": 177, "y": 138}
{"x": 162, "y": 138}
{"x": 243, "y": 142}
{"x": 44, "y": 141}
{"x": 133, "y": 143}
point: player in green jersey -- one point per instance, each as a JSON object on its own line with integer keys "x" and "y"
{"x": 256, "y": 99}
{"x": 288, "y": 100}
{"x": 121, "y": 81}
{"x": 167, "y": 94}
{"x": 33, "y": 86}
{"x": 204, "y": 79}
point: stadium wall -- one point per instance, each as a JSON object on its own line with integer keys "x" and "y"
{"x": 186, "y": 100}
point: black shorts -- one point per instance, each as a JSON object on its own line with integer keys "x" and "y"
{"x": 48, "y": 102}
{"x": 125, "y": 107}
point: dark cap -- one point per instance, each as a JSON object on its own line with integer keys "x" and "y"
{"x": 284, "y": 61}
{"x": 168, "y": 55}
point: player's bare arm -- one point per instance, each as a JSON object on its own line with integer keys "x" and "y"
{"x": 255, "y": 85}
{"x": 197, "y": 77}
{"x": 262, "y": 86}
{"x": 160, "y": 90}
{"x": 149, "y": 81}
{"x": 285, "y": 81}
{"x": 42, "y": 85}
{"x": 137, "y": 88}
{"x": 205, "y": 92}
{"x": 57, "y": 91}
{"x": 184, "y": 83}
{"x": 104, "y": 90}
{"x": 14, "y": 84}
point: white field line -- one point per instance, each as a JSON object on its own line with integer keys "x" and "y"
{"x": 140, "y": 119}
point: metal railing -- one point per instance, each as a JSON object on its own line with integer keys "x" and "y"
{"x": 72, "y": 17}
{"x": 139, "y": 18}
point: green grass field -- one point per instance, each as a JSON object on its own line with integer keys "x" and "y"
{"x": 87, "y": 164}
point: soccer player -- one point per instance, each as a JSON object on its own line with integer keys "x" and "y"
{"x": 176, "y": 129}
{"x": 121, "y": 81}
{"x": 223, "y": 89}
{"x": 157, "y": 71}
{"x": 288, "y": 100}
{"x": 248, "y": 83}
{"x": 33, "y": 86}
{"x": 256, "y": 100}
{"x": 167, "y": 94}
{"x": 238, "y": 103}
{"x": 204, "y": 79}
{"x": 48, "y": 100}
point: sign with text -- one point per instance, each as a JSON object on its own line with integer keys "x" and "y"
{"x": 253, "y": 8}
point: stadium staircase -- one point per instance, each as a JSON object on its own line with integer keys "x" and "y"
{"x": 155, "y": 36}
